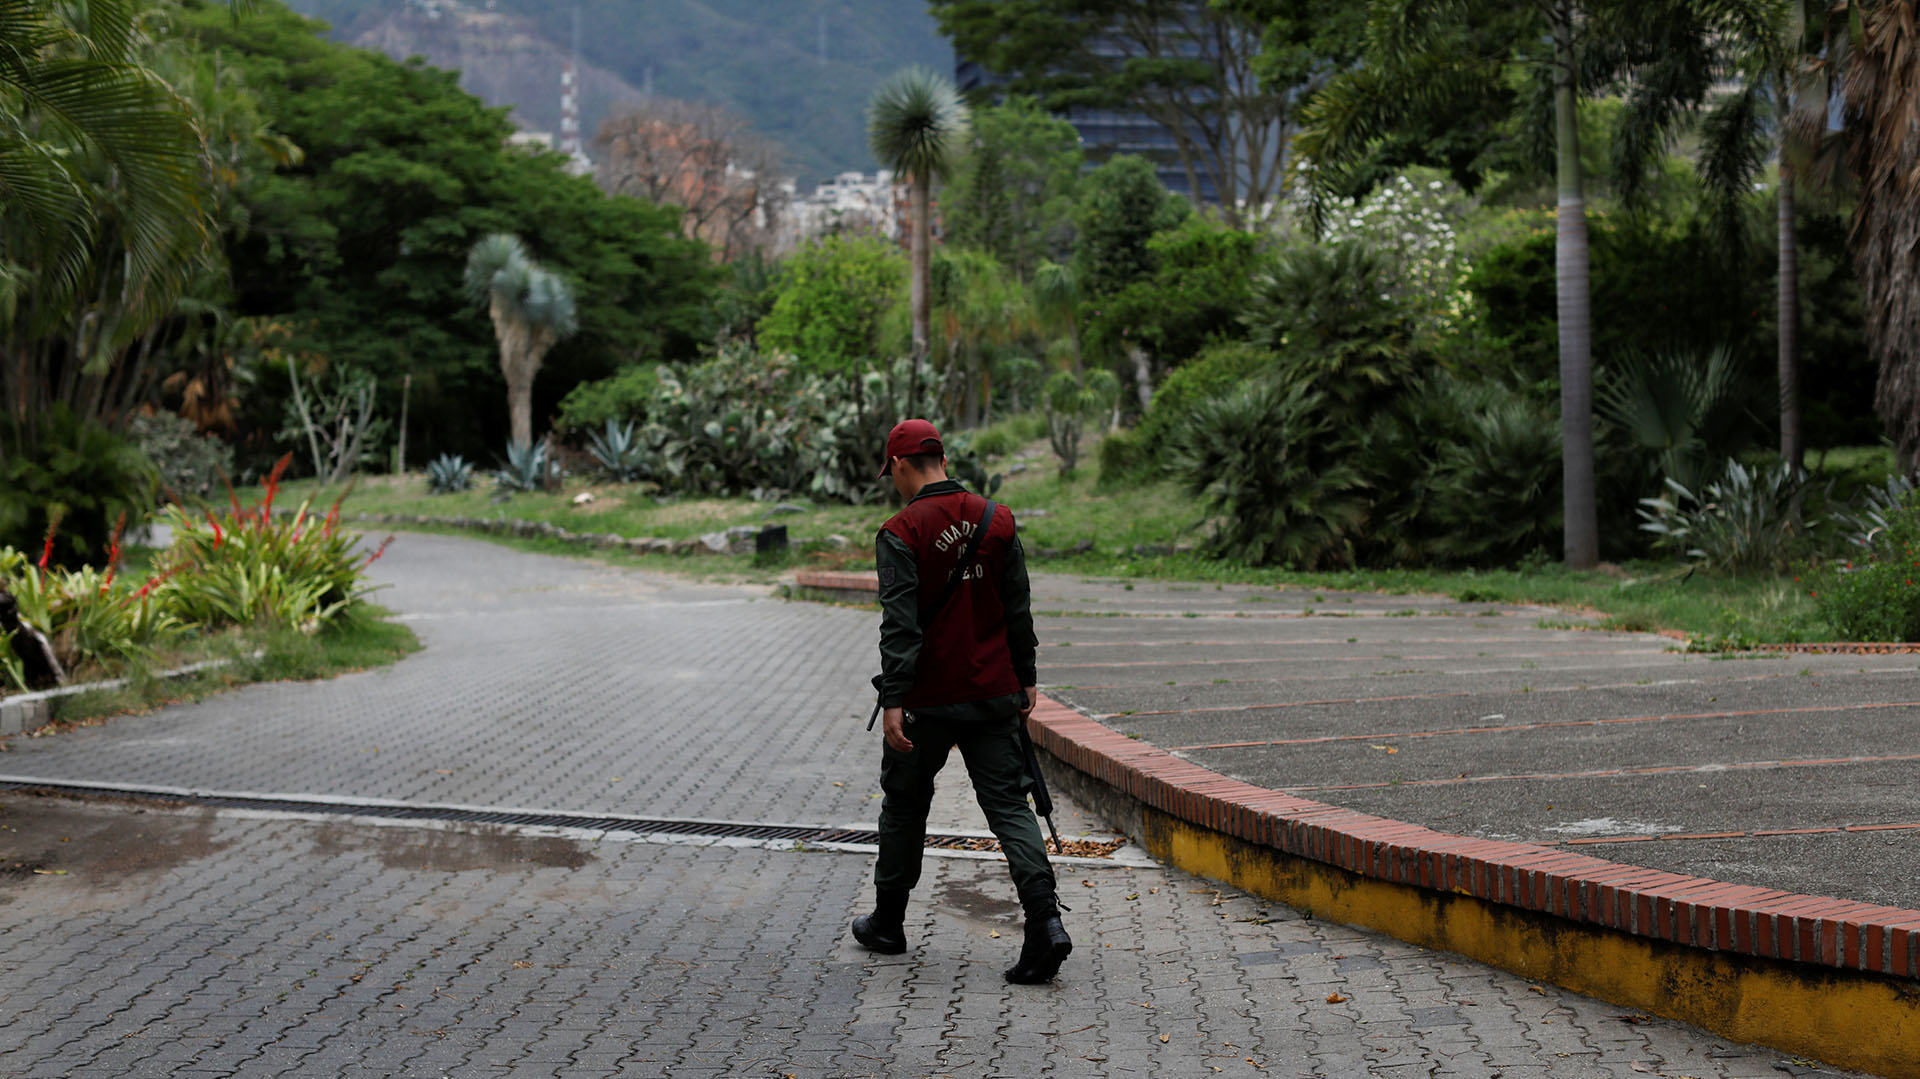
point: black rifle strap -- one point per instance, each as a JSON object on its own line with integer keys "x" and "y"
{"x": 953, "y": 585}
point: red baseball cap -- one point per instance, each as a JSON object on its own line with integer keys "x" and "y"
{"x": 909, "y": 437}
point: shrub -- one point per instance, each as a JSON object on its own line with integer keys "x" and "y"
{"x": 1746, "y": 521}
{"x": 1260, "y": 457}
{"x": 1877, "y": 598}
{"x": 300, "y": 571}
{"x": 82, "y": 476}
{"x": 1493, "y": 488}
{"x": 191, "y": 465}
{"x": 84, "y": 616}
{"x": 448, "y": 473}
{"x": 1331, "y": 314}
{"x": 1217, "y": 369}
{"x": 1009, "y": 434}
{"x": 624, "y": 396}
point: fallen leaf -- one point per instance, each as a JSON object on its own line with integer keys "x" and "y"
{"x": 518, "y": 964}
{"x": 1133, "y": 895}
{"x": 51, "y": 872}
{"x": 1086, "y": 884}
{"x": 995, "y": 934}
{"x": 443, "y": 771}
{"x": 1336, "y": 998}
{"x": 1163, "y": 1039}
{"x": 1386, "y": 749}
{"x": 1538, "y": 990}
{"x": 1640, "y": 1066}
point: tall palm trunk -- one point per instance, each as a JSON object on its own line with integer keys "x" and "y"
{"x": 922, "y": 246}
{"x": 517, "y": 366}
{"x": 1579, "y": 500}
{"x": 1792, "y": 450}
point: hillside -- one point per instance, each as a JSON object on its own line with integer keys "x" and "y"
{"x": 762, "y": 58}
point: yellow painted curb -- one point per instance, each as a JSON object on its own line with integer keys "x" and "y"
{"x": 1850, "y": 1018}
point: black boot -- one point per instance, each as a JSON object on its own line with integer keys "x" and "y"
{"x": 884, "y": 930}
{"x": 1046, "y": 947}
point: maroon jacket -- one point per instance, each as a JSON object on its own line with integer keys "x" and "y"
{"x": 982, "y": 644}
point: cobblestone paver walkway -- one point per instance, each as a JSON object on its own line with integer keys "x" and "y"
{"x": 236, "y": 944}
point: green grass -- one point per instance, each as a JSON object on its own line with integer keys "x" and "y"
{"x": 1057, "y": 512}
{"x": 362, "y": 640}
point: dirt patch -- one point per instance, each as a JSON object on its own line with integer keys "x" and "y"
{"x": 454, "y": 851}
{"x": 99, "y": 841}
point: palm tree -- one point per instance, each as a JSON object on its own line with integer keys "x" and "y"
{"x": 532, "y": 309}
{"x": 1882, "y": 113}
{"x": 1425, "y": 57}
{"x": 106, "y": 192}
{"x": 917, "y": 127}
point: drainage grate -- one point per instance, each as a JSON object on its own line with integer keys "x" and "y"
{"x": 705, "y": 829}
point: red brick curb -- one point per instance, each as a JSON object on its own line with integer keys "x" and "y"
{"x": 1694, "y": 911}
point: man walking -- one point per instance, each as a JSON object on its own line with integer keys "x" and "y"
{"x": 957, "y": 663}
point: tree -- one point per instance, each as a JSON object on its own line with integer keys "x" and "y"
{"x": 1882, "y": 110}
{"x": 106, "y": 200}
{"x": 978, "y": 307}
{"x": 1416, "y": 62}
{"x": 1012, "y": 195}
{"x": 1190, "y": 67}
{"x": 831, "y": 301}
{"x": 702, "y": 158}
{"x": 531, "y": 308}
{"x": 917, "y": 127}
{"x": 360, "y": 247}
{"x": 1122, "y": 206}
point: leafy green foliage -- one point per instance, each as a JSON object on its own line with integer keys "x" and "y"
{"x": 363, "y": 244}
{"x": 83, "y": 477}
{"x": 1263, "y": 457}
{"x": 1491, "y": 490}
{"x": 1009, "y": 434}
{"x": 1012, "y": 194}
{"x": 1217, "y": 370}
{"x": 1198, "y": 286}
{"x": 1330, "y": 310}
{"x": 191, "y": 465}
{"x": 89, "y": 622}
{"x": 623, "y": 396}
{"x": 1876, "y": 596}
{"x": 1122, "y": 206}
{"x": 449, "y": 473}
{"x": 832, "y": 300}
{"x": 1681, "y": 411}
{"x": 1745, "y": 521}
{"x": 300, "y": 571}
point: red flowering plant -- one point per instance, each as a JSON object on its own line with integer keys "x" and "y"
{"x": 91, "y": 623}
{"x": 249, "y": 565}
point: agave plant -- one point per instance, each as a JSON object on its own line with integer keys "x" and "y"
{"x": 1748, "y": 520}
{"x": 619, "y": 452}
{"x": 528, "y": 467}
{"x": 1865, "y": 523}
{"x": 448, "y": 473}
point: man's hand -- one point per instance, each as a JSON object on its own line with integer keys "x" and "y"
{"x": 894, "y": 722}
{"x": 1033, "y": 698}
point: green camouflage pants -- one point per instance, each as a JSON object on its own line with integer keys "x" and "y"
{"x": 988, "y": 737}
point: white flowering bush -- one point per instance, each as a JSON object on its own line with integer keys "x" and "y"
{"x": 1412, "y": 220}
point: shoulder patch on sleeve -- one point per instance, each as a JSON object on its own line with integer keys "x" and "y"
{"x": 886, "y": 576}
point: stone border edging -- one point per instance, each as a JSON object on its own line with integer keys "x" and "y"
{"x": 735, "y": 540}
{"x": 22, "y": 713}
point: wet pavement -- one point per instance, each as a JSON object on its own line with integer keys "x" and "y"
{"x": 142, "y": 940}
